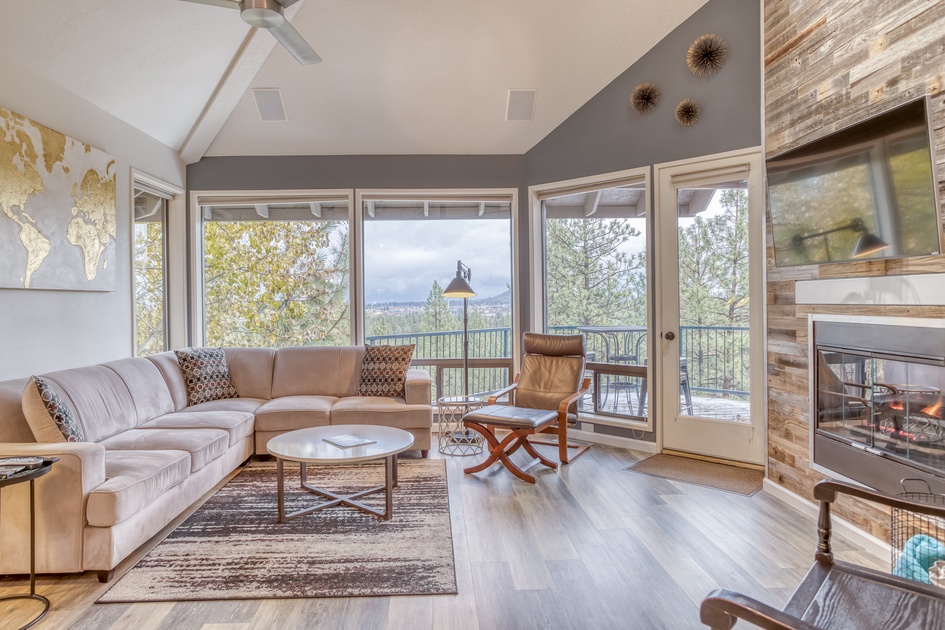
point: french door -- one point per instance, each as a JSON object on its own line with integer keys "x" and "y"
{"x": 709, "y": 341}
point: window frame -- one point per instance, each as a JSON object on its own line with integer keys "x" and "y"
{"x": 537, "y": 260}
{"x": 175, "y": 298}
{"x": 509, "y": 195}
{"x": 195, "y": 251}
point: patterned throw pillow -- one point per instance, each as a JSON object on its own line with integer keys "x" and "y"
{"x": 384, "y": 370}
{"x": 206, "y": 375}
{"x": 60, "y": 412}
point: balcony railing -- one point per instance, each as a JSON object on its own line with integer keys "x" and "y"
{"x": 441, "y": 354}
{"x": 717, "y": 357}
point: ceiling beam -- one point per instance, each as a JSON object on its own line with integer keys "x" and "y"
{"x": 239, "y": 75}
{"x": 591, "y": 203}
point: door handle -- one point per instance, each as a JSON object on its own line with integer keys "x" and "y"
{"x": 669, "y": 336}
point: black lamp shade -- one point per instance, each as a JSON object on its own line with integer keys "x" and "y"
{"x": 868, "y": 244}
{"x": 459, "y": 288}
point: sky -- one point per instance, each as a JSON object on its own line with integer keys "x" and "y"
{"x": 403, "y": 258}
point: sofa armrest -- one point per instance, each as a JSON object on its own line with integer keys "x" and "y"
{"x": 61, "y": 499}
{"x": 418, "y": 385}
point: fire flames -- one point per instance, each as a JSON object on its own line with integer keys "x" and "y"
{"x": 934, "y": 410}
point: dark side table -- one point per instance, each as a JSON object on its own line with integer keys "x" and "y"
{"x": 30, "y": 475}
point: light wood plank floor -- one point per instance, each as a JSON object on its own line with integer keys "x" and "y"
{"x": 594, "y": 546}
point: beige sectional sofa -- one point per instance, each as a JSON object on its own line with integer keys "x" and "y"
{"x": 147, "y": 456}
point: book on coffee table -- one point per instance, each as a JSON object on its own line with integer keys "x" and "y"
{"x": 348, "y": 440}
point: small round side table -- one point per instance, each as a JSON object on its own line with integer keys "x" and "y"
{"x": 30, "y": 475}
{"x": 452, "y": 438}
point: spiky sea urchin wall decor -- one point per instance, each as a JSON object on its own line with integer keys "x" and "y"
{"x": 644, "y": 97}
{"x": 687, "y": 112}
{"x": 706, "y": 55}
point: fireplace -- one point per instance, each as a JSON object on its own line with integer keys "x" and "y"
{"x": 877, "y": 406}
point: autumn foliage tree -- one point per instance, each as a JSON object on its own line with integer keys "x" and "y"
{"x": 276, "y": 283}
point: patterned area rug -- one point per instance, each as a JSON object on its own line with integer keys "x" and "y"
{"x": 232, "y": 547}
{"x": 709, "y": 474}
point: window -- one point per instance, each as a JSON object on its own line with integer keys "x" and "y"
{"x": 276, "y": 271}
{"x": 595, "y": 284}
{"x": 411, "y": 247}
{"x": 150, "y": 271}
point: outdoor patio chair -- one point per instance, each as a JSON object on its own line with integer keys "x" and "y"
{"x": 544, "y": 399}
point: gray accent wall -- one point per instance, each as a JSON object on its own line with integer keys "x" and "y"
{"x": 607, "y": 135}
{"x": 40, "y": 330}
{"x": 356, "y": 171}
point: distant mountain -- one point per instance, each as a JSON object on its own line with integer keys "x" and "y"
{"x": 504, "y": 298}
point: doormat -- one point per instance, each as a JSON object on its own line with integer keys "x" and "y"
{"x": 232, "y": 547}
{"x": 709, "y": 474}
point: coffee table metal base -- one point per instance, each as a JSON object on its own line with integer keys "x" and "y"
{"x": 390, "y": 482}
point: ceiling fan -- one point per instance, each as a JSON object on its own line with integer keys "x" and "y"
{"x": 268, "y": 14}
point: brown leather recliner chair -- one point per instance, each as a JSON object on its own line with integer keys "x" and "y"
{"x": 543, "y": 400}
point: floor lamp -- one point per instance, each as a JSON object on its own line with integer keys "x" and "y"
{"x": 459, "y": 288}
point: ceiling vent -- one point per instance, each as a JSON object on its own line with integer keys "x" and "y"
{"x": 521, "y": 105}
{"x": 269, "y": 104}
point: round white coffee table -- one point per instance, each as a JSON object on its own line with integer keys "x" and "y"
{"x": 309, "y": 446}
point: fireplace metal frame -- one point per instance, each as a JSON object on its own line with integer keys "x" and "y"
{"x": 856, "y": 462}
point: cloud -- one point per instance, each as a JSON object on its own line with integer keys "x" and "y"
{"x": 403, "y": 258}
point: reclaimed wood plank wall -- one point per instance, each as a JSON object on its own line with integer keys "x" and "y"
{"x": 829, "y": 65}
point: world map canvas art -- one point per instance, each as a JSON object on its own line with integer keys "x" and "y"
{"x": 57, "y": 210}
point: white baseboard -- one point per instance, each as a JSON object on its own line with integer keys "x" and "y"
{"x": 870, "y": 543}
{"x": 613, "y": 440}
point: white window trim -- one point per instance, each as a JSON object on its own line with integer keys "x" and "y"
{"x": 175, "y": 264}
{"x": 195, "y": 229}
{"x": 443, "y": 194}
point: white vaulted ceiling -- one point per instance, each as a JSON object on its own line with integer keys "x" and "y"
{"x": 404, "y": 76}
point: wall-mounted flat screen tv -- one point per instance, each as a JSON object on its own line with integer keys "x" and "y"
{"x": 866, "y": 192}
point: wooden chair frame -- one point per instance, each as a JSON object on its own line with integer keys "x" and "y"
{"x": 722, "y": 608}
{"x": 500, "y": 450}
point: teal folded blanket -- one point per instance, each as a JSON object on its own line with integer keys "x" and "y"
{"x": 918, "y": 556}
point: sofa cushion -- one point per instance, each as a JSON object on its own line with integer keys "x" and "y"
{"x": 237, "y": 424}
{"x": 246, "y": 405}
{"x": 206, "y": 374}
{"x": 384, "y": 369}
{"x": 390, "y": 412}
{"x": 203, "y": 445}
{"x": 50, "y": 418}
{"x": 146, "y": 385}
{"x": 251, "y": 371}
{"x": 317, "y": 371}
{"x": 169, "y": 366}
{"x": 133, "y": 479}
{"x": 99, "y": 397}
{"x": 294, "y": 412}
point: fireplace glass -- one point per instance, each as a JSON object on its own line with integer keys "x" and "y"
{"x": 885, "y": 405}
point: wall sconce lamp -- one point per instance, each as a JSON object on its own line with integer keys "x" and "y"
{"x": 867, "y": 244}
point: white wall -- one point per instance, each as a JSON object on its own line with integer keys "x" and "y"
{"x": 42, "y": 331}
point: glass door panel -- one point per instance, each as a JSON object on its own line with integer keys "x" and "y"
{"x": 714, "y": 309}
{"x": 711, "y": 270}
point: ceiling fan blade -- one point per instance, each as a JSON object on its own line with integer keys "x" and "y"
{"x": 228, "y": 4}
{"x": 295, "y": 44}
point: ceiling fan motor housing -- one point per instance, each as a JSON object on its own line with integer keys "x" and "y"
{"x": 261, "y": 13}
